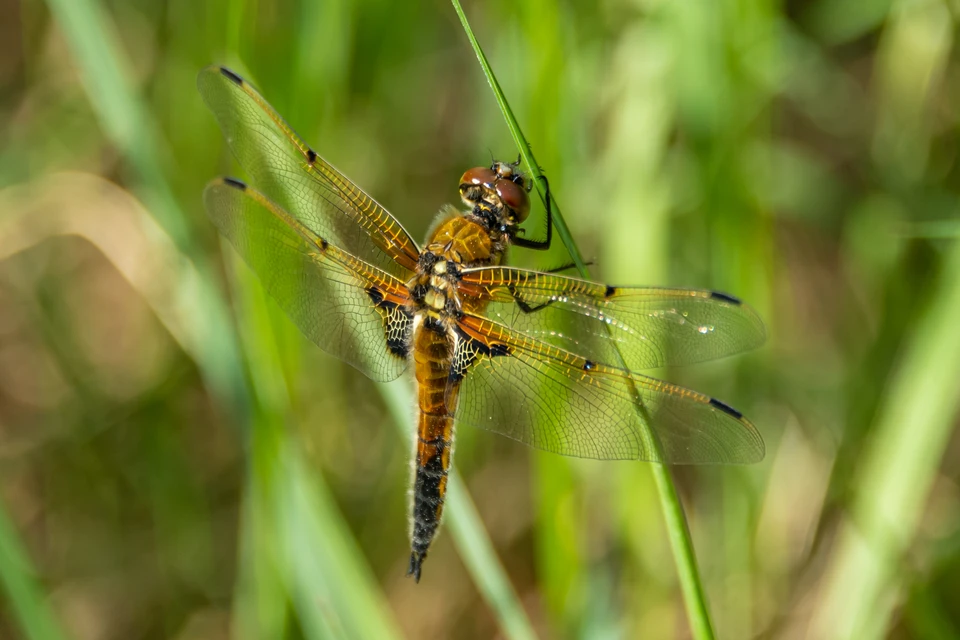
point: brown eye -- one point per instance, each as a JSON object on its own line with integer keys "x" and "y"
{"x": 474, "y": 183}
{"x": 478, "y": 176}
{"x": 515, "y": 198}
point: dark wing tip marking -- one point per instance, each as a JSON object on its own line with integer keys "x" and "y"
{"x": 610, "y": 291}
{"x": 726, "y": 408}
{"x": 725, "y": 297}
{"x": 311, "y": 156}
{"x": 236, "y": 184}
{"x": 588, "y": 365}
{"x": 231, "y": 75}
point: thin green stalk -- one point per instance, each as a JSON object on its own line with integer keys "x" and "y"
{"x": 25, "y": 595}
{"x": 676, "y": 523}
{"x": 559, "y": 224}
{"x": 471, "y": 539}
{"x": 331, "y": 587}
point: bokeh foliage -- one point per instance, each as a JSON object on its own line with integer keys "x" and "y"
{"x": 178, "y": 462}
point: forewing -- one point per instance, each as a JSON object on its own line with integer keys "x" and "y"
{"x": 291, "y": 174}
{"x": 557, "y": 401}
{"x": 347, "y": 307}
{"x": 647, "y": 326}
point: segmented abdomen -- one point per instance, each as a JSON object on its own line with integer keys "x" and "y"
{"x": 468, "y": 243}
{"x": 436, "y": 398}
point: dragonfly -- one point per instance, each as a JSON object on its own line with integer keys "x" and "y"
{"x": 545, "y": 359}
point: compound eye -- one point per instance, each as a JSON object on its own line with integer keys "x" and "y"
{"x": 478, "y": 176}
{"x": 475, "y": 183}
{"x": 514, "y": 198}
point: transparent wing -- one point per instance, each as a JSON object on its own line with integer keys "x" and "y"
{"x": 290, "y": 173}
{"x": 648, "y": 326}
{"x": 558, "y": 401}
{"x": 347, "y": 307}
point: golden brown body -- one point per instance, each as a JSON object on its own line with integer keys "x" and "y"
{"x": 459, "y": 241}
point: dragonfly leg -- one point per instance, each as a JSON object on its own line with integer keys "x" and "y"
{"x": 526, "y": 308}
{"x": 568, "y": 265}
{"x": 540, "y": 245}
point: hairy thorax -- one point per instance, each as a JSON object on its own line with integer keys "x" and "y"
{"x": 458, "y": 242}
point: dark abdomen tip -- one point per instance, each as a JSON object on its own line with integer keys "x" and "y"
{"x": 416, "y": 563}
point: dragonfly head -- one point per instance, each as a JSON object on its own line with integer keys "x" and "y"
{"x": 498, "y": 185}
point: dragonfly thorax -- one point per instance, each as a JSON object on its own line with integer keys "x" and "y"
{"x": 434, "y": 287}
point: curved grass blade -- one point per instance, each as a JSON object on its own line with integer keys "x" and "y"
{"x": 533, "y": 169}
{"x": 126, "y": 120}
{"x": 676, "y": 523}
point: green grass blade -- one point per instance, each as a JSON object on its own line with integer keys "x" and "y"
{"x": 559, "y": 224}
{"x": 899, "y": 469}
{"x": 917, "y": 410}
{"x": 25, "y": 595}
{"x": 306, "y": 539}
{"x": 679, "y": 534}
{"x": 331, "y": 589}
{"x": 124, "y": 119}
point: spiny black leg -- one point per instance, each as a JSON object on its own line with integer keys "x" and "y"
{"x": 540, "y": 245}
{"x": 526, "y": 308}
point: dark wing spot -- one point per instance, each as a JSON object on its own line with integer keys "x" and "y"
{"x": 588, "y": 365}
{"x": 727, "y": 409}
{"x": 717, "y": 295}
{"x": 375, "y": 294}
{"x": 397, "y": 322}
{"x": 610, "y": 291}
{"x": 324, "y": 244}
{"x": 236, "y": 184}
{"x": 231, "y": 75}
{"x": 469, "y": 351}
{"x": 497, "y": 349}
{"x": 311, "y": 156}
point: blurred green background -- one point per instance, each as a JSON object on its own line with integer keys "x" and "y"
{"x": 176, "y": 461}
